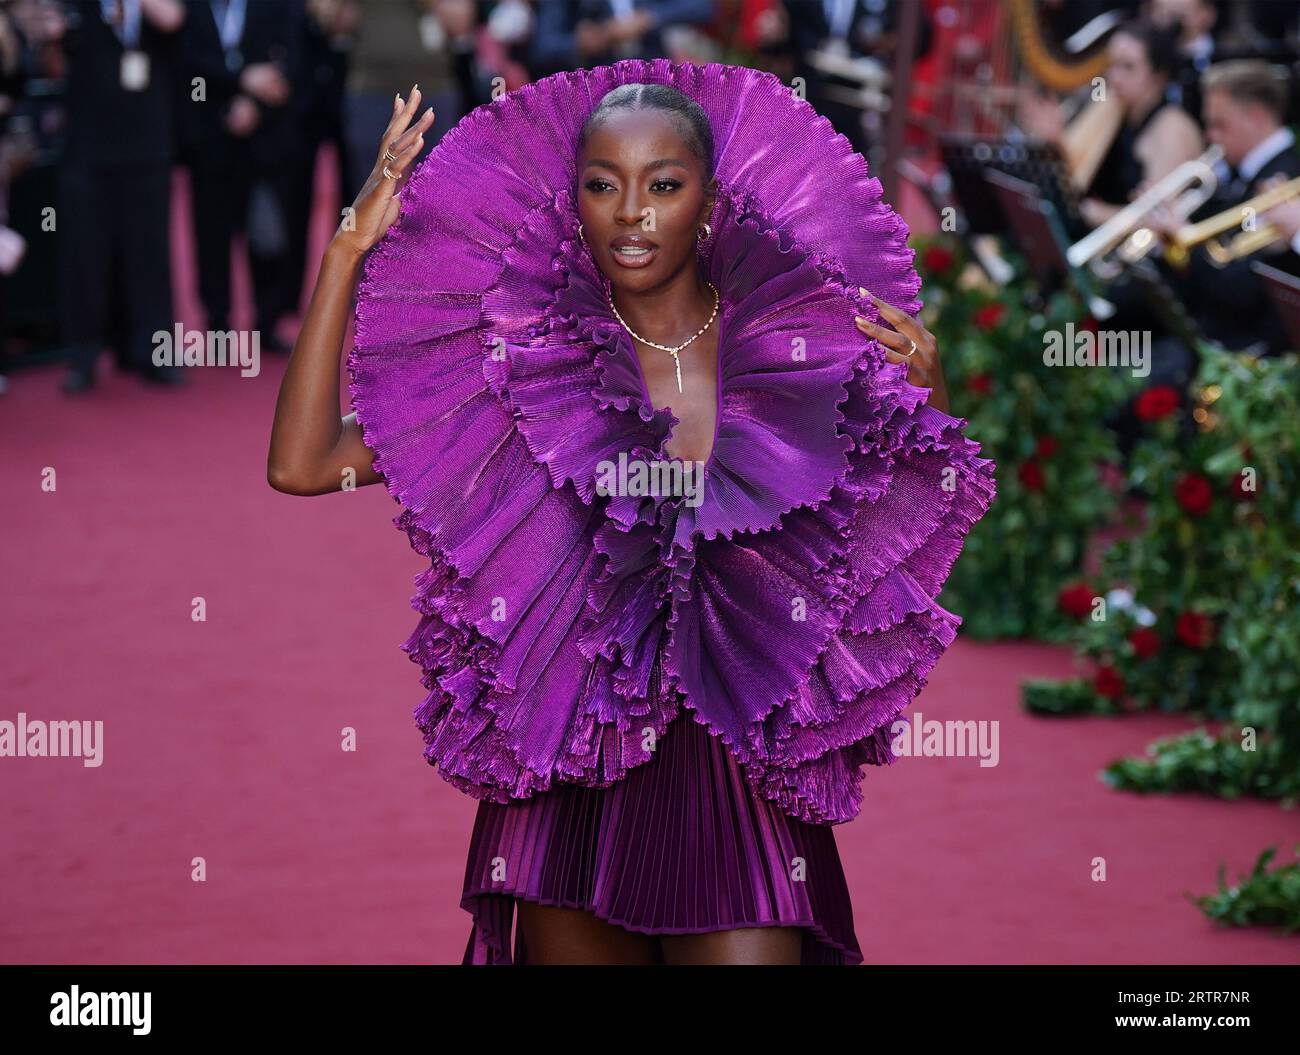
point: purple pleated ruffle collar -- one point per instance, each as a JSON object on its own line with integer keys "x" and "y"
{"x": 793, "y": 610}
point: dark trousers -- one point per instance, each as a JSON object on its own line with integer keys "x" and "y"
{"x": 300, "y": 183}
{"x": 113, "y": 227}
{"x": 221, "y": 188}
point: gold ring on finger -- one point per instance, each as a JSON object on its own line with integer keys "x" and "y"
{"x": 911, "y": 351}
{"x": 389, "y": 155}
{"x": 387, "y": 174}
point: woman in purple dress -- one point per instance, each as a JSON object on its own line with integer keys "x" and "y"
{"x": 688, "y": 492}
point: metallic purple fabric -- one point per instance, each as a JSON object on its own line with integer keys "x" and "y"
{"x": 681, "y": 846}
{"x": 794, "y": 608}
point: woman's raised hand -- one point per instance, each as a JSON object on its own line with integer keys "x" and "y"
{"x": 905, "y": 340}
{"x": 377, "y": 205}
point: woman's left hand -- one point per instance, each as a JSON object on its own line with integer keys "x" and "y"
{"x": 923, "y": 367}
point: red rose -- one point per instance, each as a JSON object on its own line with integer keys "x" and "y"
{"x": 1194, "y": 493}
{"x": 1239, "y": 490}
{"x": 1145, "y": 642}
{"x": 988, "y": 316}
{"x": 936, "y": 259}
{"x": 1031, "y": 475}
{"x": 1194, "y": 629}
{"x": 1045, "y": 447}
{"x": 980, "y": 384}
{"x": 1156, "y": 402}
{"x": 1109, "y": 683}
{"x": 1075, "y": 600}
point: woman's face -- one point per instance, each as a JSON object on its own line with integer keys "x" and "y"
{"x": 1130, "y": 75}
{"x": 641, "y": 198}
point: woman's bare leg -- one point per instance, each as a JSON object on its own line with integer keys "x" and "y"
{"x": 554, "y": 935}
{"x": 742, "y": 945}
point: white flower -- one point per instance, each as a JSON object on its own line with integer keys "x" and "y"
{"x": 1120, "y": 600}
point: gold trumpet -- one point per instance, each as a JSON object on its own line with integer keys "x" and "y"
{"x": 1249, "y": 238}
{"x": 1123, "y": 239}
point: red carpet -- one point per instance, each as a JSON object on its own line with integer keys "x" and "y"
{"x": 222, "y": 738}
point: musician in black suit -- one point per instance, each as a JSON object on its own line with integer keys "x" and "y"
{"x": 243, "y": 64}
{"x": 1245, "y": 111}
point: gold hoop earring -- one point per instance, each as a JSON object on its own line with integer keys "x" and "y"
{"x": 580, "y": 238}
{"x": 702, "y": 233}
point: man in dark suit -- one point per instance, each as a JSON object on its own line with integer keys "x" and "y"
{"x": 243, "y": 63}
{"x": 115, "y": 180}
{"x": 1245, "y": 111}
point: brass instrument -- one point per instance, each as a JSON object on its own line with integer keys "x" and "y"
{"x": 1123, "y": 239}
{"x": 1245, "y": 242}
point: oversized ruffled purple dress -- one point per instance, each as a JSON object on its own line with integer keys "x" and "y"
{"x": 663, "y": 708}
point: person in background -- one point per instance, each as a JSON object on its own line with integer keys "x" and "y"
{"x": 398, "y": 43}
{"x": 115, "y": 179}
{"x": 575, "y": 34}
{"x": 241, "y": 148}
{"x": 1198, "y": 22}
{"x": 481, "y": 49}
{"x": 1245, "y": 113}
{"x": 849, "y": 29}
{"x": 1156, "y": 135}
{"x": 326, "y": 28}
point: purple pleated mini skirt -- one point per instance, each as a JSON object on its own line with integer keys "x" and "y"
{"x": 681, "y": 845}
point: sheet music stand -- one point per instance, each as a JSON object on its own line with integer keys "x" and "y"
{"x": 1034, "y": 226}
{"x": 1033, "y": 161}
{"x": 1037, "y": 230}
{"x": 1284, "y": 292}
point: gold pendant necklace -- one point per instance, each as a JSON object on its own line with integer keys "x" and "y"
{"x": 673, "y": 350}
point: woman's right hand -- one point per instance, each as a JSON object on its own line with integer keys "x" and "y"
{"x": 377, "y": 206}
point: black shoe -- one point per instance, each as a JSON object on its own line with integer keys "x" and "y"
{"x": 78, "y": 381}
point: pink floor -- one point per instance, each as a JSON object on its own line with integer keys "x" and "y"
{"x": 222, "y": 738}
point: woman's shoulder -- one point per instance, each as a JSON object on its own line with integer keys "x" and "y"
{"x": 1170, "y": 138}
{"x": 1171, "y": 119}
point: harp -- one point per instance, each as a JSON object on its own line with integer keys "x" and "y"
{"x": 1065, "y": 66}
